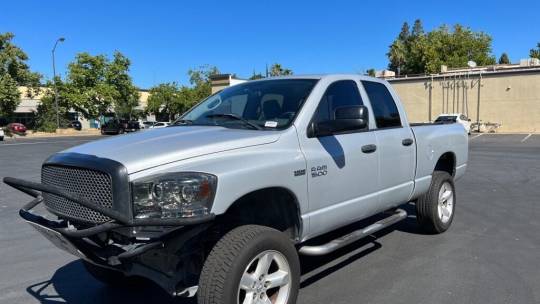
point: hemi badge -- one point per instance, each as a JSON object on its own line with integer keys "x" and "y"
{"x": 300, "y": 172}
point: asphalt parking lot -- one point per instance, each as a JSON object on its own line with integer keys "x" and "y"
{"x": 491, "y": 254}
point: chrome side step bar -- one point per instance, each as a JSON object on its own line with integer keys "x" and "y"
{"x": 354, "y": 236}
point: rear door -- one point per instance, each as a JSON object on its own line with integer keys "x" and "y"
{"x": 395, "y": 144}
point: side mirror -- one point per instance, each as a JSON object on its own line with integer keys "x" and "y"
{"x": 347, "y": 118}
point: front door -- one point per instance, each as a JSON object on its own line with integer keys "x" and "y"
{"x": 342, "y": 178}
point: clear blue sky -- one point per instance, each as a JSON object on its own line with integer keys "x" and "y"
{"x": 164, "y": 39}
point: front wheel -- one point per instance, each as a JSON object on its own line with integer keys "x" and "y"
{"x": 435, "y": 209}
{"x": 251, "y": 264}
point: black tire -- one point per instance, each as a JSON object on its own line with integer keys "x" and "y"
{"x": 110, "y": 277}
{"x": 121, "y": 131}
{"x": 427, "y": 212}
{"x": 230, "y": 257}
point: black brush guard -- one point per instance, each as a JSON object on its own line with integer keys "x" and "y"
{"x": 118, "y": 220}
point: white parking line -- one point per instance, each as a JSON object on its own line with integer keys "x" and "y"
{"x": 45, "y": 142}
{"x": 526, "y": 137}
{"x": 476, "y": 136}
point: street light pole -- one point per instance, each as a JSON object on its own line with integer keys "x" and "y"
{"x": 61, "y": 39}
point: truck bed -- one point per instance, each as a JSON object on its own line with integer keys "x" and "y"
{"x": 432, "y": 141}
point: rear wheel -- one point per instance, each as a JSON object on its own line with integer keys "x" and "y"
{"x": 435, "y": 209}
{"x": 251, "y": 264}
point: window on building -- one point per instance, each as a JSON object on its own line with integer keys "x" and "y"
{"x": 384, "y": 107}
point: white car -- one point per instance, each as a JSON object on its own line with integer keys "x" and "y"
{"x": 1, "y": 134}
{"x": 456, "y": 117}
{"x": 159, "y": 124}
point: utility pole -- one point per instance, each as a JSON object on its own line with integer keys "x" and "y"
{"x": 61, "y": 39}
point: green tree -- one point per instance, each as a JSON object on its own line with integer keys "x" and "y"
{"x": 9, "y": 95}
{"x": 418, "y": 29}
{"x": 422, "y": 52}
{"x": 504, "y": 59}
{"x": 87, "y": 87}
{"x": 96, "y": 85}
{"x": 170, "y": 99}
{"x": 200, "y": 84}
{"x": 405, "y": 32}
{"x": 45, "y": 119}
{"x": 277, "y": 70}
{"x": 164, "y": 99}
{"x": 127, "y": 95}
{"x": 397, "y": 55}
{"x": 14, "y": 72}
{"x": 535, "y": 53}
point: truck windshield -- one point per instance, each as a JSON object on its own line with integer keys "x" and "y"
{"x": 258, "y": 105}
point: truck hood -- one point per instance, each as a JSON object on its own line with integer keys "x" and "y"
{"x": 155, "y": 147}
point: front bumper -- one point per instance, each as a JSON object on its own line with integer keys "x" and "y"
{"x": 151, "y": 248}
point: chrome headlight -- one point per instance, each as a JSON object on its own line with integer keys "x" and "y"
{"x": 174, "y": 195}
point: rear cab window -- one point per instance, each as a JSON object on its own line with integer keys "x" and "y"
{"x": 384, "y": 107}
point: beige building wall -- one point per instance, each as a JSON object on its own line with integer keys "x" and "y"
{"x": 509, "y": 98}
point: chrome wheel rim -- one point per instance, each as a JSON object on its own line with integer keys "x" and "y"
{"x": 446, "y": 202}
{"x": 266, "y": 279}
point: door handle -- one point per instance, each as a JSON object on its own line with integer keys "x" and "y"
{"x": 407, "y": 142}
{"x": 369, "y": 148}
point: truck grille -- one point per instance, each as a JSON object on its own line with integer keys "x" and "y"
{"x": 95, "y": 186}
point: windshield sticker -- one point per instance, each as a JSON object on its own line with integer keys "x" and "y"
{"x": 270, "y": 124}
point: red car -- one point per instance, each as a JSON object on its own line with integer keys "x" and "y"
{"x": 17, "y": 128}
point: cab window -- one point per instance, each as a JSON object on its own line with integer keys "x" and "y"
{"x": 338, "y": 94}
{"x": 384, "y": 107}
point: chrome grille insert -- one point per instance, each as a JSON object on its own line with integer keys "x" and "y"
{"x": 96, "y": 186}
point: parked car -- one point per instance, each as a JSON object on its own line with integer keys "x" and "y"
{"x": 1, "y": 134}
{"x": 16, "y": 128}
{"x": 159, "y": 124}
{"x": 75, "y": 124}
{"x": 455, "y": 117}
{"x": 147, "y": 124}
{"x": 141, "y": 124}
{"x": 131, "y": 125}
{"x": 221, "y": 203}
{"x": 119, "y": 126}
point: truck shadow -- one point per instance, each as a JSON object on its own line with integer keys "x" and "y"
{"x": 72, "y": 284}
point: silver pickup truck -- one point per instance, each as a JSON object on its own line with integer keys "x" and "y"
{"x": 222, "y": 202}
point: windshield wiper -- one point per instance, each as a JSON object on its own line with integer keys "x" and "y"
{"x": 232, "y": 116}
